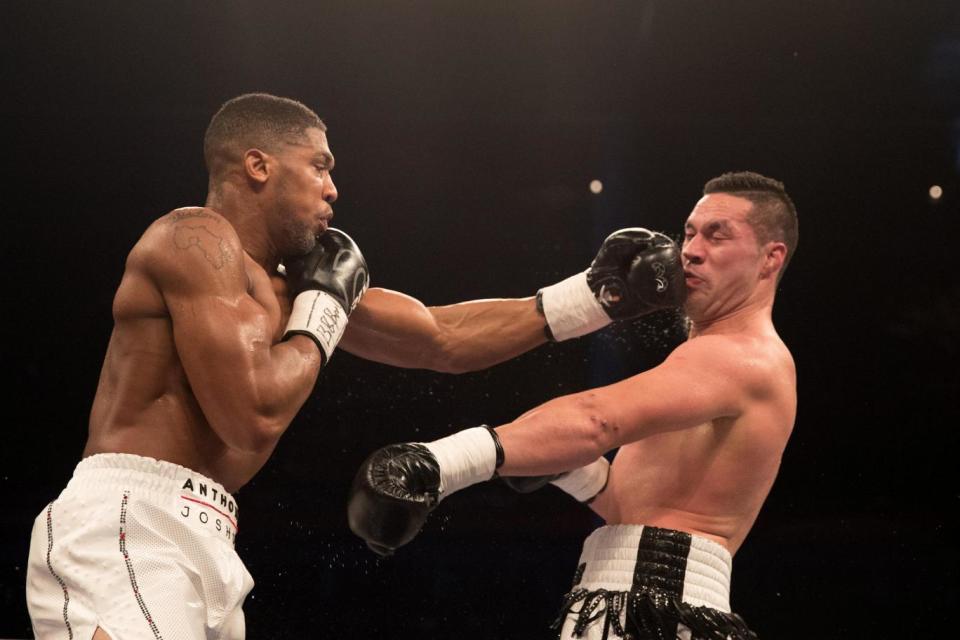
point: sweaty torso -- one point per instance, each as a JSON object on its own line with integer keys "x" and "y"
{"x": 710, "y": 480}
{"x": 144, "y": 404}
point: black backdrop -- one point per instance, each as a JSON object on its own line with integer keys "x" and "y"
{"x": 466, "y": 135}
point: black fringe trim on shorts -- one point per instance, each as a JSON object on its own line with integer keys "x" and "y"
{"x": 651, "y": 615}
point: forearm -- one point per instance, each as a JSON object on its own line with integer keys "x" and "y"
{"x": 287, "y": 380}
{"x": 562, "y": 434}
{"x": 395, "y": 329}
{"x": 253, "y": 408}
{"x": 479, "y": 334}
{"x": 398, "y": 485}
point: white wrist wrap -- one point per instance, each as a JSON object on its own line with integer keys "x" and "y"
{"x": 571, "y": 309}
{"x": 585, "y": 482}
{"x": 318, "y": 315}
{"x": 467, "y": 457}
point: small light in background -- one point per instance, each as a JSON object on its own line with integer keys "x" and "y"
{"x": 936, "y": 192}
{"x": 596, "y": 186}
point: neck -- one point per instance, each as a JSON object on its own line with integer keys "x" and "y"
{"x": 240, "y": 208}
{"x": 751, "y": 316}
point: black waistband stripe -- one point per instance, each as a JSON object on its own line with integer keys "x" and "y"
{"x": 661, "y": 561}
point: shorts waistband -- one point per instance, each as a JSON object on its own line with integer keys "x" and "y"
{"x": 676, "y": 564}
{"x": 156, "y": 476}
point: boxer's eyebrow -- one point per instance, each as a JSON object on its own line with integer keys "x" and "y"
{"x": 325, "y": 159}
{"x": 711, "y": 227}
{"x": 717, "y": 226}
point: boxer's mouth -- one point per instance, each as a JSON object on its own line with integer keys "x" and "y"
{"x": 324, "y": 223}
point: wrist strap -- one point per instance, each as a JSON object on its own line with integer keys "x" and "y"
{"x": 571, "y": 309}
{"x": 546, "y": 325}
{"x": 585, "y": 483}
{"x": 497, "y": 446}
{"x": 318, "y": 315}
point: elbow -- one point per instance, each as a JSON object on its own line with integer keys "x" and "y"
{"x": 453, "y": 353}
{"x": 265, "y": 435}
{"x": 265, "y": 432}
{"x": 444, "y": 356}
{"x": 599, "y": 431}
{"x": 452, "y": 364}
{"x": 256, "y": 435}
{"x": 455, "y": 349}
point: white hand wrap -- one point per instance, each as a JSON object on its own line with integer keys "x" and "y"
{"x": 571, "y": 309}
{"x": 317, "y": 314}
{"x": 586, "y": 482}
{"x": 467, "y": 457}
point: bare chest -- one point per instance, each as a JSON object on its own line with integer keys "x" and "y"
{"x": 272, "y": 294}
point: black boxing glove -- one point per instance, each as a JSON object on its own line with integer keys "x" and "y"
{"x": 394, "y": 491}
{"x": 636, "y": 272}
{"x": 584, "y": 483}
{"x": 655, "y": 279}
{"x": 326, "y": 285}
{"x": 398, "y": 486}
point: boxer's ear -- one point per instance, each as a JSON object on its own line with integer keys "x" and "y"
{"x": 258, "y": 165}
{"x": 773, "y": 254}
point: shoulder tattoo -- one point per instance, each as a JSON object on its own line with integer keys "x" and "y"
{"x": 184, "y": 214}
{"x": 199, "y": 238}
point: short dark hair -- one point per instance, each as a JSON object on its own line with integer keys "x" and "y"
{"x": 255, "y": 120}
{"x": 773, "y": 216}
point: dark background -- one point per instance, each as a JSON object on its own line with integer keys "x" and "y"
{"x": 466, "y": 135}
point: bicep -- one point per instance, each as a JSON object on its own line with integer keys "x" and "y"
{"x": 219, "y": 330}
{"x": 690, "y": 388}
{"x": 392, "y": 328}
{"x": 219, "y": 340}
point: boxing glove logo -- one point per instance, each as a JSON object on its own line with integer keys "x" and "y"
{"x": 361, "y": 281}
{"x": 660, "y": 275}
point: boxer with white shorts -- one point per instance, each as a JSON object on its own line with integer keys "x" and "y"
{"x": 698, "y": 441}
{"x": 222, "y": 320}
{"x": 135, "y": 546}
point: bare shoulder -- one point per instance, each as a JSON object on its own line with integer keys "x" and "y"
{"x": 757, "y": 362}
{"x": 189, "y": 246}
{"x": 713, "y": 351}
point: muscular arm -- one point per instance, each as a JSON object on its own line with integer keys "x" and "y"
{"x": 395, "y": 329}
{"x": 641, "y": 266}
{"x": 701, "y": 381}
{"x": 248, "y": 387}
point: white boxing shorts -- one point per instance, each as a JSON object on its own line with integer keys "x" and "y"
{"x": 142, "y": 549}
{"x": 647, "y": 583}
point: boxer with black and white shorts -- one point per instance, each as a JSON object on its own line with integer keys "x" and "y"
{"x": 698, "y": 441}
{"x": 647, "y": 582}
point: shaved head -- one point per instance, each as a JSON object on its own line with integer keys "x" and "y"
{"x": 254, "y": 120}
